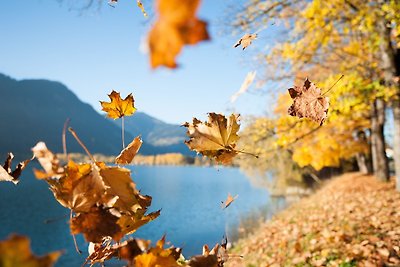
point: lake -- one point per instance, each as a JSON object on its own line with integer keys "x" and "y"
{"x": 190, "y": 198}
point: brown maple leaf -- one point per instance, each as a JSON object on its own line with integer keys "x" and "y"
{"x": 128, "y": 250}
{"x": 308, "y": 102}
{"x": 215, "y": 138}
{"x": 246, "y": 40}
{"x": 16, "y": 252}
{"x": 9, "y": 175}
{"x": 177, "y": 25}
{"x": 214, "y": 258}
{"x": 126, "y": 156}
{"x": 228, "y": 201}
{"x": 118, "y": 107}
{"x": 96, "y": 224}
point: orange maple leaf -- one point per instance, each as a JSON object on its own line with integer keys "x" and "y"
{"x": 15, "y": 251}
{"x": 176, "y": 26}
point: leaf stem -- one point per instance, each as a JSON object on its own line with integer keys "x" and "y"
{"x": 123, "y": 131}
{"x": 73, "y": 236}
{"x": 247, "y": 153}
{"x": 333, "y": 85}
{"x": 72, "y": 131}
{"x": 64, "y": 137}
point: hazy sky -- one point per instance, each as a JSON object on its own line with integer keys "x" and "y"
{"x": 100, "y": 50}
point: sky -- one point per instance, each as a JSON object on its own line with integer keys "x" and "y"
{"x": 95, "y": 51}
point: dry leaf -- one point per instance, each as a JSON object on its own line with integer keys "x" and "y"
{"x": 214, "y": 258}
{"x": 176, "y": 26}
{"x": 158, "y": 256}
{"x": 138, "y": 2}
{"x": 118, "y": 107}
{"x": 9, "y": 175}
{"x": 215, "y": 138}
{"x": 246, "y": 40}
{"x": 96, "y": 224}
{"x": 126, "y": 156}
{"x": 308, "y": 102}
{"x": 245, "y": 85}
{"x": 16, "y": 252}
{"x": 228, "y": 201}
{"x": 127, "y": 250}
{"x": 48, "y": 161}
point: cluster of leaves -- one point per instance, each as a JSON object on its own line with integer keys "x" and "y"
{"x": 105, "y": 205}
{"x": 330, "y": 228}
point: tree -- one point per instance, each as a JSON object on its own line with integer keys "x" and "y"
{"x": 339, "y": 37}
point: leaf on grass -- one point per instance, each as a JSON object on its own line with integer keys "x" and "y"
{"x": 126, "y": 156}
{"x": 48, "y": 161}
{"x": 246, "y": 40}
{"x": 16, "y": 252}
{"x": 118, "y": 107}
{"x": 308, "y": 102}
{"x": 215, "y": 138}
{"x": 158, "y": 256}
{"x": 177, "y": 25}
{"x": 9, "y": 175}
{"x": 228, "y": 201}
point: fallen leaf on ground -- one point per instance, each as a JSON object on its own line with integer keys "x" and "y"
{"x": 126, "y": 156}
{"x": 246, "y": 40}
{"x": 308, "y": 102}
{"x": 16, "y": 252}
{"x": 118, "y": 107}
{"x": 9, "y": 175}
{"x": 228, "y": 201}
{"x": 215, "y": 138}
{"x": 176, "y": 26}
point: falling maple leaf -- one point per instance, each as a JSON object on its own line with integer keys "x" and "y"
{"x": 48, "y": 161}
{"x": 308, "y": 102}
{"x": 118, "y": 107}
{"x": 138, "y": 2}
{"x": 228, "y": 201}
{"x": 214, "y": 258}
{"x": 176, "y": 26}
{"x": 126, "y": 156}
{"x": 216, "y": 138}
{"x": 16, "y": 252}
{"x": 9, "y": 175}
{"x": 158, "y": 256}
{"x": 246, "y": 40}
{"x": 245, "y": 85}
{"x": 127, "y": 250}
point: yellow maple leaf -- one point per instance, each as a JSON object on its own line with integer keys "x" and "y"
{"x": 118, "y": 107}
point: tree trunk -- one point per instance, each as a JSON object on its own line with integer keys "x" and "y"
{"x": 379, "y": 159}
{"x": 390, "y": 66}
{"x": 363, "y": 159}
{"x": 396, "y": 141}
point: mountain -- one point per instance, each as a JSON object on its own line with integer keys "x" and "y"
{"x": 163, "y": 135}
{"x": 35, "y": 110}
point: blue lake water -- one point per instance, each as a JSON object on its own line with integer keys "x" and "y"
{"x": 190, "y": 199}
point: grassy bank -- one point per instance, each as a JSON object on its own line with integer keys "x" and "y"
{"x": 353, "y": 220}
